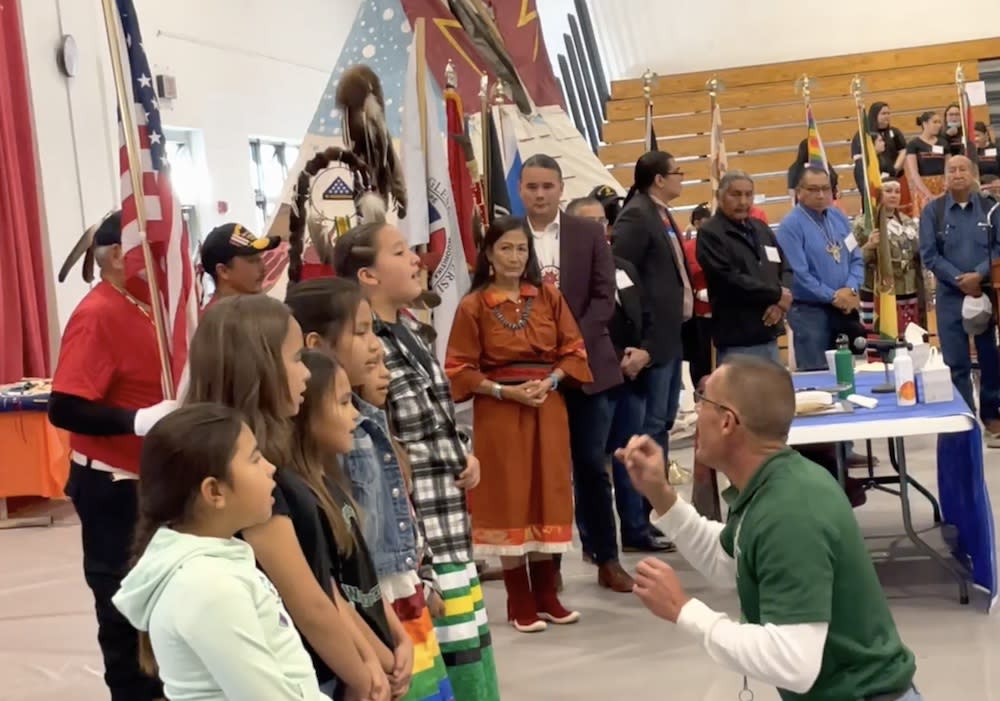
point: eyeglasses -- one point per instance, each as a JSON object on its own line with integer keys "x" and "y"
{"x": 676, "y": 172}
{"x": 700, "y": 399}
{"x": 825, "y": 189}
{"x": 603, "y": 221}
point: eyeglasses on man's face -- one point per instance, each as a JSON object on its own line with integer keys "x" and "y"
{"x": 603, "y": 221}
{"x": 700, "y": 400}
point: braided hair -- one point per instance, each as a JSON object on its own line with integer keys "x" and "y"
{"x": 368, "y": 206}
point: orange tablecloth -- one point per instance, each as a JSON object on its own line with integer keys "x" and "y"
{"x": 34, "y": 455}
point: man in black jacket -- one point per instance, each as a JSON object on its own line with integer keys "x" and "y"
{"x": 749, "y": 280}
{"x": 646, "y": 235}
{"x": 630, "y": 330}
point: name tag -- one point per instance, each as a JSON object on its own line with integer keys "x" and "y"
{"x": 992, "y": 152}
{"x": 937, "y": 149}
{"x": 772, "y": 254}
{"x": 851, "y": 243}
{"x": 622, "y": 280}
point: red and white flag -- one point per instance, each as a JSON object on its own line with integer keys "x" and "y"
{"x": 166, "y": 230}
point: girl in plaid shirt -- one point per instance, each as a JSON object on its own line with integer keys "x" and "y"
{"x": 422, "y": 417}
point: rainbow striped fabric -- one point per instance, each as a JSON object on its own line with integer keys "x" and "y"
{"x": 817, "y": 153}
{"x": 430, "y": 677}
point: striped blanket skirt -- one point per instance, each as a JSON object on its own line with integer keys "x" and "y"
{"x": 429, "y": 681}
{"x": 464, "y": 634}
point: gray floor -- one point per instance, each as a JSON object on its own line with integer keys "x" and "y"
{"x": 48, "y": 649}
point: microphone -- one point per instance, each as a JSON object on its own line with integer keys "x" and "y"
{"x": 885, "y": 346}
{"x": 860, "y": 345}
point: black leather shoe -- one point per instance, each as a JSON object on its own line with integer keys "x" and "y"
{"x": 650, "y": 544}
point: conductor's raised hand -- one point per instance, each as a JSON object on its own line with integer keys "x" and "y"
{"x": 643, "y": 458}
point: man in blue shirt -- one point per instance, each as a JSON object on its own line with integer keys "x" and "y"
{"x": 956, "y": 235}
{"x": 827, "y": 271}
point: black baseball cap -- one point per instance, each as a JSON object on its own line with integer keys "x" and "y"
{"x": 605, "y": 194}
{"x": 109, "y": 231}
{"x": 228, "y": 241}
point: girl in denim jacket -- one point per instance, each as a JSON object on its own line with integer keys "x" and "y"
{"x": 335, "y": 318}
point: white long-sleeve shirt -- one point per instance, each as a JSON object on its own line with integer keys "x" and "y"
{"x": 786, "y": 656}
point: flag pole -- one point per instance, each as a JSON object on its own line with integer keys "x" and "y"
{"x": 883, "y": 255}
{"x": 499, "y": 99}
{"x": 132, "y": 150}
{"x": 715, "y": 86}
{"x": 421, "y": 59}
{"x": 968, "y": 127}
{"x": 647, "y": 92}
{"x": 484, "y": 129}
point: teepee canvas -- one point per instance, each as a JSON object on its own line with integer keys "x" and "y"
{"x": 477, "y": 42}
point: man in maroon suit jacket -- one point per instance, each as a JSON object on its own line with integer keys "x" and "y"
{"x": 575, "y": 256}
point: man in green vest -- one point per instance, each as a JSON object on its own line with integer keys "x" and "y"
{"x": 816, "y": 623}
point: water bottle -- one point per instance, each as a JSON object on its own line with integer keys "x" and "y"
{"x": 902, "y": 371}
{"x": 844, "y": 364}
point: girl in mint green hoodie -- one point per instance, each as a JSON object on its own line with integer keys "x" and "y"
{"x": 213, "y": 623}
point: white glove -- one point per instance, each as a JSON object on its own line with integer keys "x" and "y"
{"x": 146, "y": 418}
{"x": 702, "y": 295}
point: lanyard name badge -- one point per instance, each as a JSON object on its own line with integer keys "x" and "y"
{"x": 746, "y": 693}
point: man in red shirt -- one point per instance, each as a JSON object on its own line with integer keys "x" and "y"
{"x": 107, "y": 393}
{"x": 232, "y": 257}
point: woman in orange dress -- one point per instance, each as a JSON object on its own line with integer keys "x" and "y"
{"x": 514, "y": 341}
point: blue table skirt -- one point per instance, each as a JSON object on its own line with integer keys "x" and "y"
{"x": 965, "y": 500}
{"x": 34, "y": 402}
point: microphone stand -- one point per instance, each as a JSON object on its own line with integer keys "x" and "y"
{"x": 884, "y": 350}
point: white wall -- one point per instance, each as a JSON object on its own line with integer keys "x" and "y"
{"x": 676, "y": 36}
{"x": 244, "y": 68}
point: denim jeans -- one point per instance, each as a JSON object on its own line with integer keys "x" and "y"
{"x": 955, "y": 349}
{"x": 628, "y": 408}
{"x": 590, "y": 418}
{"x": 812, "y": 335}
{"x": 660, "y": 386}
{"x": 768, "y": 351}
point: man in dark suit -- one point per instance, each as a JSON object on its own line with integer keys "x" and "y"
{"x": 574, "y": 255}
{"x": 646, "y": 235}
{"x": 631, "y": 329}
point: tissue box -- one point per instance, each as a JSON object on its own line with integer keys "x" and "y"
{"x": 934, "y": 385}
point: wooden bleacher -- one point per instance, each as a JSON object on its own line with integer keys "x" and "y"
{"x": 764, "y": 119}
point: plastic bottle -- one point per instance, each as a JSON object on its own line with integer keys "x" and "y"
{"x": 902, "y": 372}
{"x": 844, "y": 363}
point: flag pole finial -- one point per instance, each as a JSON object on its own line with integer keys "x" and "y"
{"x": 450, "y": 75}
{"x": 960, "y": 76}
{"x": 715, "y": 86}
{"x": 804, "y": 86}
{"x": 648, "y": 79}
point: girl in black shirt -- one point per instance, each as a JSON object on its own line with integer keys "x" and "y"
{"x": 926, "y": 156}
{"x": 952, "y": 133}
{"x": 323, "y": 431}
{"x": 890, "y": 145}
{"x": 247, "y": 355}
{"x": 988, "y": 163}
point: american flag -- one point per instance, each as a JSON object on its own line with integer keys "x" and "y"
{"x": 165, "y": 228}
